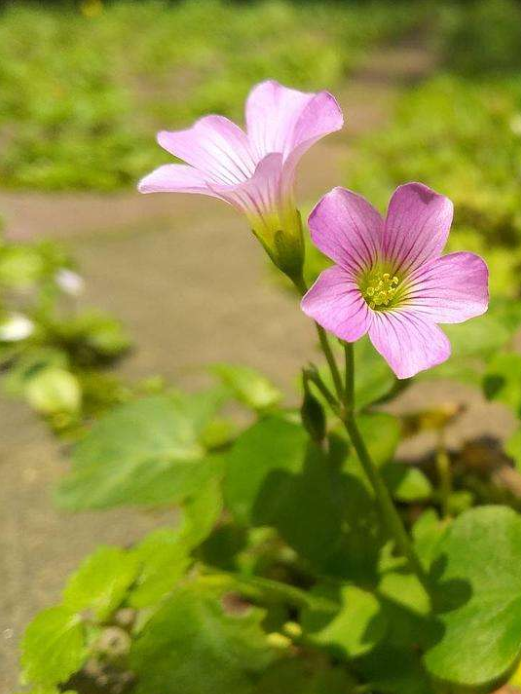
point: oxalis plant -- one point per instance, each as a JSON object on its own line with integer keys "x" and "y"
{"x": 297, "y": 563}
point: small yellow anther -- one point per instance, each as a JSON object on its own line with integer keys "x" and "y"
{"x": 380, "y": 289}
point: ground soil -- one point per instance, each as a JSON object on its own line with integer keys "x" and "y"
{"x": 191, "y": 284}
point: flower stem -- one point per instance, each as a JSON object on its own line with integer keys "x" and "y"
{"x": 300, "y": 284}
{"x": 444, "y": 475}
{"x": 333, "y": 366}
{"x": 346, "y": 412}
{"x": 383, "y": 497}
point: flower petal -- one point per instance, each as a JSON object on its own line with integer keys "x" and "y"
{"x": 417, "y": 226}
{"x": 175, "y": 178}
{"x": 335, "y": 303}
{"x": 215, "y": 146}
{"x": 258, "y": 197}
{"x": 408, "y": 341}
{"x": 452, "y": 288}
{"x": 346, "y": 228}
{"x": 283, "y": 120}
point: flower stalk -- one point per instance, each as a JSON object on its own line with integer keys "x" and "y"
{"x": 344, "y": 408}
{"x": 300, "y": 284}
{"x": 382, "y": 494}
{"x": 443, "y": 468}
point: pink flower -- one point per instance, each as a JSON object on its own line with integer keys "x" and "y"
{"x": 390, "y": 279}
{"x": 254, "y": 170}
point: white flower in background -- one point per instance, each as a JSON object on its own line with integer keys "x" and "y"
{"x": 15, "y": 327}
{"x": 70, "y": 282}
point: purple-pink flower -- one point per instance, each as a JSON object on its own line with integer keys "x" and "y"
{"x": 390, "y": 279}
{"x": 254, "y": 170}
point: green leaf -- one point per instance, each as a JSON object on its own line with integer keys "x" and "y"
{"x": 146, "y": 452}
{"x": 374, "y": 378}
{"x": 354, "y": 630}
{"x": 164, "y": 559}
{"x": 192, "y": 645}
{"x": 502, "y": 380}
{"x": 479, "y": 596}
{"x": 296, "y": 676}
{"x": 248, "y": 385}
{"x": 54, "y": 390}
{"x": 428, "y": 532}
{"x": 101, "y": 332}
{"x": 381, "y": 433}
{"x": 406, "y": 482}
{"x": 101, "y": 582}
{"x": 20, "y": 266}
{"x": 53, "y": 647}
{"x": 274, "y": 472}
{"x": 394, "y": 665}
{"x": 201, "y": 511}
{"x": 33, "y": 361}
{"x": 265, "y": 449}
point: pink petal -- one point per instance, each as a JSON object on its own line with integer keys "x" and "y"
{"x": 451, "y": 289}
{"x": 285, "y": 120}
{"x": 174, "y": 178}
{"x": 408, "y": 341}
{"x": 335, "y": 303}
{"x": 258, "y": 197}
{"x": 346, "y": 228}
{"x": 417, "y": 226}
{"x": 215, "y": 146}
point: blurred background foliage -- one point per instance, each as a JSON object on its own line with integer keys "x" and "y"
{"x": 92, "y": 81}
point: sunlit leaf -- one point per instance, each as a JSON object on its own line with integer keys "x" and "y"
{"x": 268, "y": 448}
{"x": 274, "y": 472}
{"x": 192, "y": 645}
{"x": 355, "y": 629}
{"x": 248, "y": 385}
{"x": 163, "y": 558}
{"x": 146, "y": 452}
{"x": 53, "y": 647}
{"x": 479, "y": 598}
{"x": 428, "y": 532}
{"x": 54, "y": 390}
{"x": 101, "y": 582}
{"x": 407, "y": 483}
{"x": 394, "y": 665}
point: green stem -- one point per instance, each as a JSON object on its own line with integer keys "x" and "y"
{"x": 389, "y": 512}
{"x": 349, "y": 352}
{"x": 300, "y": 284}
{"x": 444, "y": 475}
{"x": 346, "y": 399}
{"x": 314, "y": 377}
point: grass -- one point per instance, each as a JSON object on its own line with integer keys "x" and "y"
{"x": 83, "y": 90}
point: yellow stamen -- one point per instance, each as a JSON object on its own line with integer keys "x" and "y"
{"x": 380, "y": 289}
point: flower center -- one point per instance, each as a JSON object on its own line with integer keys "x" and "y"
{"x": 380, "y": 289}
